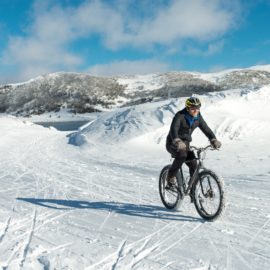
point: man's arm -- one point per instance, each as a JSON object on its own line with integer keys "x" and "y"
{"x": 175, "y": 126}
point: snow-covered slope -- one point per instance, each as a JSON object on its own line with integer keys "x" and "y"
{"x": 124, "y": 124}
{"x": 96, "y": 205}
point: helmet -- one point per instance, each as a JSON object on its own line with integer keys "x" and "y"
{"x": 193, "y": 101}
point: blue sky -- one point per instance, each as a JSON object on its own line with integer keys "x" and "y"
{"x": 112, "y": 37}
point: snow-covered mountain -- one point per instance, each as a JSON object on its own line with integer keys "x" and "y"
{"x": 81, "y": 93}
{"x": 89, "y": 200}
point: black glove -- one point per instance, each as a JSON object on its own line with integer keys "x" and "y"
{"x": 215, "y": 143}
{"x": 179, "y": 144}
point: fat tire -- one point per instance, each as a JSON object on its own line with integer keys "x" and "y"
{"x": 222, "y": 202}
{"x": 162, "y": 181}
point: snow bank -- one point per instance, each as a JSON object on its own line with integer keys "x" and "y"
{"x": 14, "y": 126}
{"x": 240, "y": 114}
{"x": 126, "y": 123}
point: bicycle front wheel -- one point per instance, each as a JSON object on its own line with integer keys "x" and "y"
{"x": 170, "y": 196}
{"x": 209, "y": 196}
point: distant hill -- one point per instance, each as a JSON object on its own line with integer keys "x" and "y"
{"x": 80, "y": 93}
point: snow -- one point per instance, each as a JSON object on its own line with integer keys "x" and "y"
{"x": 49, "y": 75}
{"x": 89, "y": 200}
{"x": 62, "y": 116}
{"x": 26, "y": 82}
{"x": 148, "y": 82}
{"x": 261, "y": 67}
{"x": 215, "y": 77}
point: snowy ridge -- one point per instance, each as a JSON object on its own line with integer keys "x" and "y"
{"x": 231, "y": 114}
{"x": 83, "y": 93}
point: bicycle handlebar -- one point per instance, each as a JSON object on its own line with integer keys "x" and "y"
{"x": 202, "y": 148}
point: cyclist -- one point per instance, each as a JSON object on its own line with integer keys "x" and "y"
{"x": 179, "y": 137}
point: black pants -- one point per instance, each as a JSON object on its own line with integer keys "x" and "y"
{"x": 179, "y": 159}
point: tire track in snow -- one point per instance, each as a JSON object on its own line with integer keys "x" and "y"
{"x": 27, "y": 165}
{"x": 16, "y": 249}
{"x": 249, "y": 253}
{"x": 37, "y": 254}
{"x": 26, "y": 222}
{"x": 168, "y": 225}
{"x": 178, "y": 241}
{"x": 145, "y": 251}
{"x": 23, "y": 248}
{"x": 44, "y": 221}
{"x": 130, "y": 246}
{"x": 103, "y": 224}
{"x": 168, "y": 264}
{"x": 142, "y": 253}
{"x": 102, "y": 187}
{"x": 66, "y": 163}
{"x": 29, "y": 239}
{"x": 120, "y": 254}
{"x": 5, "y": 229}
{"x": 258, "y": 232}
{"x": 241, "y": 258}
{"x": 61, "y": 170}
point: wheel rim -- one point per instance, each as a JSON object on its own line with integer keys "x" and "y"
{"x": 208, "y": 195}
{"x": 170, "y": 195}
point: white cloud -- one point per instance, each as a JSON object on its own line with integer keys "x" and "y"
{"x": 212, "y": 48}
{"x": 129, "y": 68}
{"x": 46, "y": 44}
{"x": 202, "y": 20}
{"x": 33, "y": 57}
{"x": 44, "y": 48}
{"x": 194, "y": 19}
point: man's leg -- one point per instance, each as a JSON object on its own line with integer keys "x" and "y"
{"x": 177, "y": 163}
{"x": 192, "y": 165}
{"x": 191, "y": 162}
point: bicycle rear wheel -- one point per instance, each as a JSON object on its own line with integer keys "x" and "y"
{"x": 208, "y": 194}
{"x": 170, "y": 196}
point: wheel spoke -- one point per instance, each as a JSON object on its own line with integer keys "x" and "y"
{"x": 208, "y": 195}
{"x": 170, "y": 196}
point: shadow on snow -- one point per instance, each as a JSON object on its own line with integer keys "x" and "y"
{"x": 146, "y": 211}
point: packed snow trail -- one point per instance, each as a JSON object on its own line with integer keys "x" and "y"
{"x": 68, "y": 207}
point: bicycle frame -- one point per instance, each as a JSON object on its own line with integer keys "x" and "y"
{"x": 199, "y": 167}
